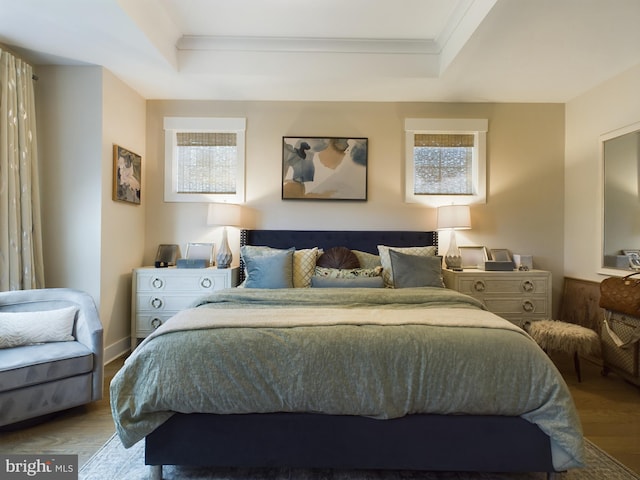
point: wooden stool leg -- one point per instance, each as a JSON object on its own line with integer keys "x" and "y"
{"x": 576, "y": 364}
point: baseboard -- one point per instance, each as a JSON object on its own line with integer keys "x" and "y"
{"x": 117, "y": 350}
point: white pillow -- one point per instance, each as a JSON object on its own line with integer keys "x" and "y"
{"x": 26, "y": 328}
{"x": 385, "y": 259}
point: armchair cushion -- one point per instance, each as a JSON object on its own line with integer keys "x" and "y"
{"x": 25, "y": 328}
{"x": 34, "y": 364}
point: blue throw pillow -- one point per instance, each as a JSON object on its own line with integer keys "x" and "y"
{"x": 361, "y": 282}
{"x": 416, "y": 271}
{"x": 270, "y": 271}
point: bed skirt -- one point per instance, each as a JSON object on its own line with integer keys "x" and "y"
{"x": 298, "y": 440}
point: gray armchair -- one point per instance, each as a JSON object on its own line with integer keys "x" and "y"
{"x": 44, "y": 378}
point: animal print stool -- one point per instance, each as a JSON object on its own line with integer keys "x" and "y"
{"x": 554, "y": 335}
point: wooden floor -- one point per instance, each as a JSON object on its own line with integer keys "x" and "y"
{"x": 609, "y": 409}
{"x": 79, "y": 431}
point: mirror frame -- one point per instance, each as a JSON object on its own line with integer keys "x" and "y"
{"x": 603, "y": 270}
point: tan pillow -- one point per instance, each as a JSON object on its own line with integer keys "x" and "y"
{"x": 387, "y": 271}
{"x": 304, "y": 264}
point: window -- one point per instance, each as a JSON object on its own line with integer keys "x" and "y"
{"x": 204, "y": 159}
{"x": 445, "y": 161}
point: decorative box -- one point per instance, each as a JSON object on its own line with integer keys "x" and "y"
{"x": 498, "y": 265}
{"x": 192, "y": 263}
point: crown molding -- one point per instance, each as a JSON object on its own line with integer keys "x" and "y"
{"x": 307, "y": 44}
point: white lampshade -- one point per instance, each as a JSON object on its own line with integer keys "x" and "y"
{"x": 225, "y": 214}
{"x": 456, "y": 217}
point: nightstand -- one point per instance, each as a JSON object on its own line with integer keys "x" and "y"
{"x": 159, "y": 293}
{"x": 518, "y": 296}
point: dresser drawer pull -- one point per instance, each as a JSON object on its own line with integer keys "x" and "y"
{"x": 156, "y": 322}
{"x": 528, "y": 306}
{"x": 206, "y": 282}
{"x": 479, "y": 286}
{"x": 157, "y": 282}
{"x": 156, "y": 302}
{"x": 528, "y": 286}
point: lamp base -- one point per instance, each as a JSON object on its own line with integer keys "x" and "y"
{"x": 224, "y": 257}
{"x": 453, "y": 262}
{"x": 223, "y": 261}
{"x": 452, "y": 259}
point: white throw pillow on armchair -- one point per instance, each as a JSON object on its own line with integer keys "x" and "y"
{"x": 26, "y": 328}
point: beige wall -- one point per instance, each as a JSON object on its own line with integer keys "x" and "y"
{"x": 542, "y": 188}
{"x": 524, "y": 210}
{"x": 537, "y": 203}
{"x": 123, "y": 224}
{"x": 90, "y": 242}
{"x": 612, "y": 105}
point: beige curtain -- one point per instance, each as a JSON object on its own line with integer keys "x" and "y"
{"x": 21, "y": 265}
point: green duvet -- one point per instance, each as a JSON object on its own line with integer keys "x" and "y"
{"x": 381, "y": 353}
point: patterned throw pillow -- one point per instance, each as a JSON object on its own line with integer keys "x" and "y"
{"x": 387, "y": 272}
{"x": 348, "y": 272}
{"x": 304, "y": 264}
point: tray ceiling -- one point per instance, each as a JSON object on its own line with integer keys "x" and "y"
{"x": 335, "y": 50}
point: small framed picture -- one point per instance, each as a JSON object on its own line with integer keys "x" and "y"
{"x": 200, "y": 251}
{"x": 634, "y": 258}
{"x": 167, "y": 255}
{"x": 127, "y": 176}
{"x": 500, "y": 255}
{"x": 473, "y": 257}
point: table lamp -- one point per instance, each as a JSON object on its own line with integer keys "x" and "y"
{"x": 225, "y": 215}
{"x": 454, "y": 217}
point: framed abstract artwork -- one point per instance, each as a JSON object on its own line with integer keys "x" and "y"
{"x": 324, "y": 168}
{"x": 127, "y": 176}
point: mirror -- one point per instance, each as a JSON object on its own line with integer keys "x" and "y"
{"x": 621, "y": 199}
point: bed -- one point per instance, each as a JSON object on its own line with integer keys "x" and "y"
{"x": 349, "y": 376}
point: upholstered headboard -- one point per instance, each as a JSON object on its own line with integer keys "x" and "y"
{"x": 364, "y": 240}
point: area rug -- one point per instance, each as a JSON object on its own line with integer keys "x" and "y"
{"x": 114, "y": 462}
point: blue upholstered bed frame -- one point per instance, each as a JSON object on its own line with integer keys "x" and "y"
{"x": 301, "y": 440}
